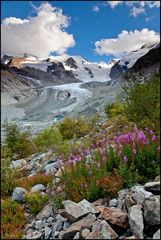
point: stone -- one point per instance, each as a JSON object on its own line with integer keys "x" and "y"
{"x": 139, "y": 194}
{"x": 85, "y": 233}
{"x": 73, "y": 211}
{"x": 102, "y": 231}
{"x": 152, "y": 210}
{"x": 19, "y": 194}
{"x": 56, "y": 233}
{"x": 38, "y": 188}
{"x": 38, "y": 225}
{"x": 157, "y": 235}
{"x": 34, "y": 235}
{"x": 66, "y": 225}
{"x": 46, "y": 212}
{"x": 59, "y": 172}
{"x": 115, "y": 216}
{"x": 58, "y": 190}
{"x": 131, "y": 237}
{"x": 50, "y": 219}
{"x": 153, "y": 187}
{"x": 57, "y": 180}
{"x": 85, "y": 222}
{"x": 47, "y": 232}
{"x": 76, "y": 236}
{"x": 50, "y": 169}
{"x": 60, "y": 218}
{"x": 157, "y": 179}
{"x": 99, "y": 202}
{"x": 136, "y": 221}
{"x": 113, "y": 202}
{"x": 18, "y": 163}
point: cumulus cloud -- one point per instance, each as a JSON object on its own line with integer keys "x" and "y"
{"x": 136, "y": 11}
{"x": 126, "y": 42}
{"x": 39, "y": 35}
{"x": 95, "y": 8}
{"x": 138, "y": 7}
{"x": 113, "y": 4}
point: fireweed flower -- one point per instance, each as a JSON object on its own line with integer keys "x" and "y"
{"x": 125, "y": 159}
{"x": 154, "y": 138}
{"x": 98, "y": 165}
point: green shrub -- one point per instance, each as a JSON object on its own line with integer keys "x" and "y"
{"x": 114, "y": 109}
{"x": 36, "y": 202}
{"x": 57, "y": 199}
{"x": 12, "y": 220}
{"x": 71, "y": 128}
{"x": 8, "y": 178}
{"x": 18, "y": 142}
{"x": 142, "y": 104}
{"x": 48, "y": 138}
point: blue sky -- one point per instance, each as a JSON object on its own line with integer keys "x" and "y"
{"x": 91, "y": 21}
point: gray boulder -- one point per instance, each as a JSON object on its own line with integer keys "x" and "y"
{"x": 38, "y": 188}
{"x": 136, "y": 221}
{"x": 73, "y": 211}
{"x": 50, "y": 169}
{"x": 153, "y": 187}
{"x": 157, "y": 235}
{"x": 38, "y": 225}
{"x": 19, "y": 194}
{"x": 46, "y": 212}
{"x": 18, "y": 163}
{"x": 47, "y": 232}
{"x": 102, "y": 231}
{"x": 152, "y": 210}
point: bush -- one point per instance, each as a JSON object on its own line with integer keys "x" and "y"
{"x": 48, "y": 138}
{"x": 57, "y": 199}
{"x": 71, "y": 128}
{"x": 18, "y": 142}
{"x": 8, "y": 178}
{"x": 39, "y": 178}
{"x": 142, "y": 104}
{"x": 114, "y": 109}
{"x": 12, "y": 220}
{"x": 36, "y": 202}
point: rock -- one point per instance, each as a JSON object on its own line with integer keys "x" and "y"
{"x": 66, "y": 225}
{"x": 153, "y": 187}
{"x": 57, "y": 180}
{"x": 102, "y": 231}
{"x": 136, "y": 221}
{"x": 18, "y": 163}
{"x": 139, "y": 194}
{"x": 50, "y": 169}
{"x": 85, "y": 233}
{"x": 19, "y": 194}
{"x": 50, "y": 219}
{"x": 38, "y": 225}
{"x": 38, "y": 188}
{"x": 157, "y": 235}
{"x": 131, "y": 237}
{"x": 99, "y": 202}
{"x": 73, "y": 211}
{"x": 56, "y": 234}
{"x": 46, "y": 212}
{"x": 85, "y": 222}
{"x": 76, "y": 236}
{"x": 59, "y": 172}
{"x": 157, "y": 179}
{"x": 47, "y": 232}
{"x": 115, "y": 216}
{"x": 58, "y": 190}
{"x": 60, "y": 218}
{"x": 34, "y": 235}
{"x": 113, "y": 202}
{"x": 152, "y": 210}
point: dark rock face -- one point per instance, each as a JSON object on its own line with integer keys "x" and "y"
{"x": 6, "y": 59}
{"x": 71, "y": 63}
{"x": 89, "y": 72}
{"x": 147, "y": 61}
{"x": 117, "y": 70}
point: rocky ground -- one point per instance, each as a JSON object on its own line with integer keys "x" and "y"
{"x": 133, "y": 214}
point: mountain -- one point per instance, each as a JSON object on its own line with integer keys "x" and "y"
{"x": 41, "y": 91}
{"x": 137, "y": 61}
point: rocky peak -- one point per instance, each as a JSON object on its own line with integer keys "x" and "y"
{"x": 71, "y": 63}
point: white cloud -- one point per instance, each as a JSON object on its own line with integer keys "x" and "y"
{"x": 126, "y": 42}
{"x": 136, "y": 11}
{"x": 138, "y": 7}
{"x": 95, "y": 8}
{"x": 113, "y": 4}
{"x": 39, "y": 35}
